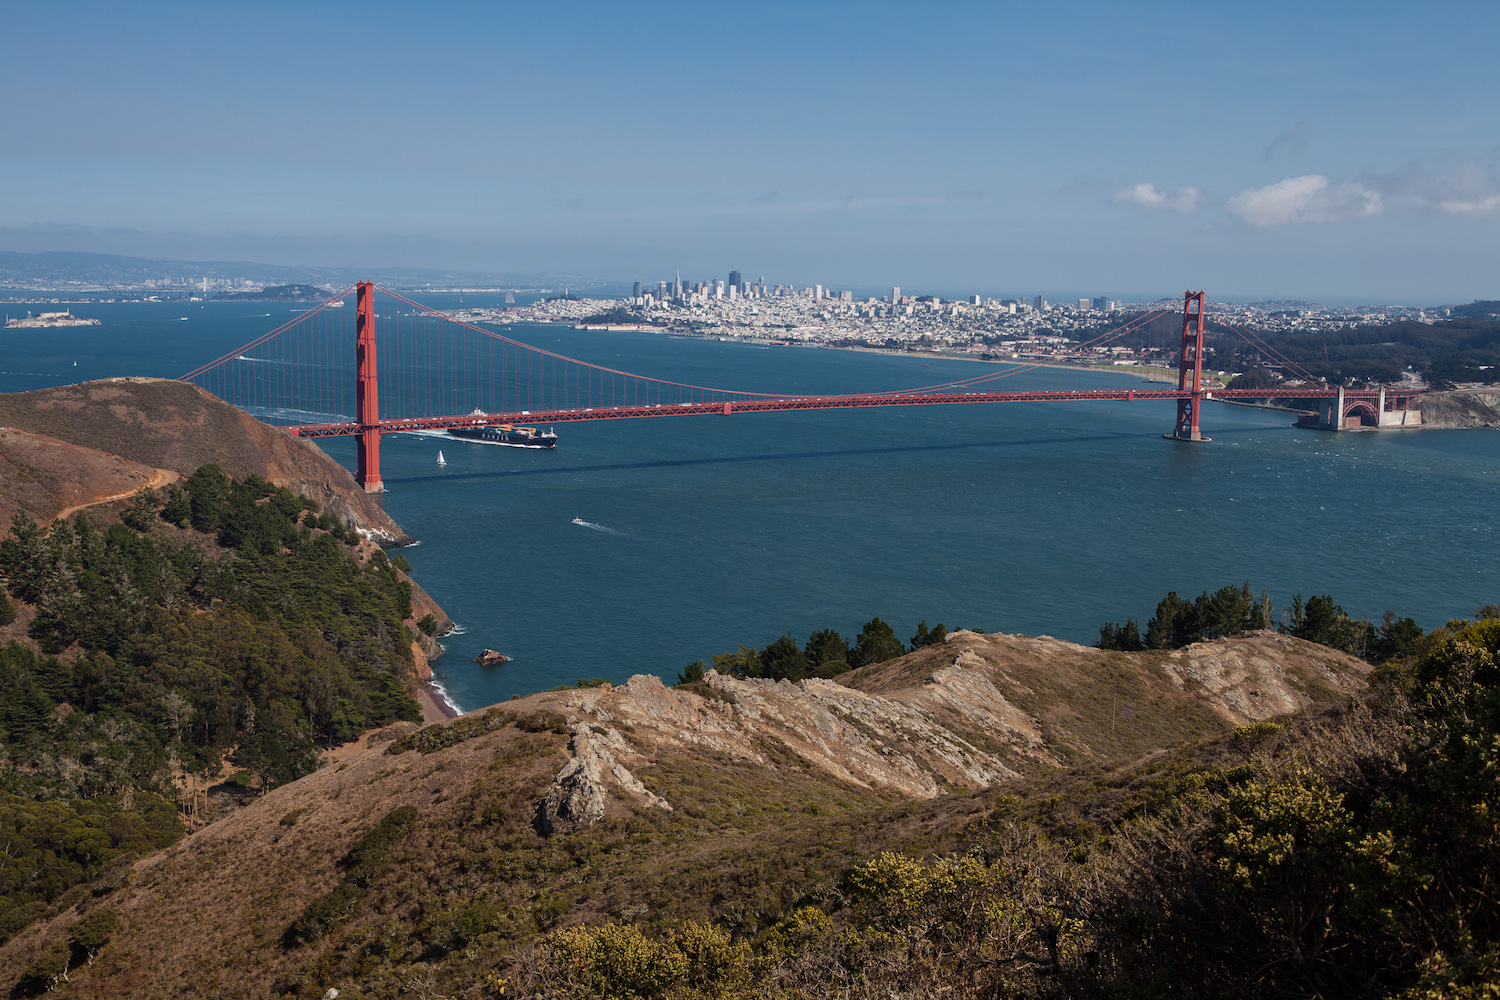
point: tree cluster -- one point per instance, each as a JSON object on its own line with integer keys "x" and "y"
{"x": 826, "y": 653}
{"x": 256, "y": 629}
{"x": 50, "y": 848}
{"x": 1232, "y": 610}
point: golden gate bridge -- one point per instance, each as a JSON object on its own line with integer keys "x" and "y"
{"x": 429, "y": 371}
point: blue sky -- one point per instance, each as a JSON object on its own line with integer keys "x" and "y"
{"x": 1330, "y": 151}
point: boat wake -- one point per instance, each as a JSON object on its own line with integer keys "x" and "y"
{"x": 295, "y": 416}
{"x": 596, "y": 527}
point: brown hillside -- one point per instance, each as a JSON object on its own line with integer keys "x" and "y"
{"x": 175, "y": 425}
{"x": 729, "y": 799}
{"x": 49, "y": 478}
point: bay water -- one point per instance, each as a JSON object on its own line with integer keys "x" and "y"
{"x": 702, "y": 533}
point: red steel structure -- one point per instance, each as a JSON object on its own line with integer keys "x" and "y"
{"x": 584, "y": 391}
{"x": 1190, "y": 360}
{"x": 367, "y": 390}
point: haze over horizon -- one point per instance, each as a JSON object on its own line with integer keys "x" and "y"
{"x": 1332, "y": 153}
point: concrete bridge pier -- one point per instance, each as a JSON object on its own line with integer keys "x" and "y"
{"x": 1339, "y": 414}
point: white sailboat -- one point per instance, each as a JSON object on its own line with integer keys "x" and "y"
{"x": 441, "y": 460}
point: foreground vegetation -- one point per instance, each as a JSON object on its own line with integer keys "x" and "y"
{"x": 1347, "y": 853}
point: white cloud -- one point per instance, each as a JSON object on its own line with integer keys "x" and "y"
{"x": 1311, "y": 198}
{"x": 1182, "y": 200}
{"x": 1479, "y": 206}
{"x": 1471, "y": 188}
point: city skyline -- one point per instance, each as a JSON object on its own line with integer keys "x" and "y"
{"x": 1332, "y": 153}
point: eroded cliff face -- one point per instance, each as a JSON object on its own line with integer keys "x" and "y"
{"x": 178, "y": 426}
{"x": 1460, "y": 408}
{"x": 971, "y": 712}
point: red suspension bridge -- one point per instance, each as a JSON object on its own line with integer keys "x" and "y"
{"x": 433, "y": 372}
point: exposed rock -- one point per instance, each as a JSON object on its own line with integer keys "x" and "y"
{"x": 1459, "y": 408}
{"x": 579, "y": 793}
{"x": 975, "y": 709}
{"x": 488, "y": 658}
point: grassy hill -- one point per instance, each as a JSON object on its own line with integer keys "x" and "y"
{"x": 450, "y": 855}
{"x": 175, "y": 425}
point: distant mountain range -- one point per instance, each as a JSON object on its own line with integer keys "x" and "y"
{"x": 67, "y": 271}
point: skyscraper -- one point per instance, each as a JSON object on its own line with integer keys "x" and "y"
{"x": 635, "y": 292}
{"x": 735, "y": 281}
{"x": 895, "y": 295}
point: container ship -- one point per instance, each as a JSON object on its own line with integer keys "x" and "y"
{"x": 507, "y": 434}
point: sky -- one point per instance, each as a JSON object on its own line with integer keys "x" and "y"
{"x": 1336, "y": 152}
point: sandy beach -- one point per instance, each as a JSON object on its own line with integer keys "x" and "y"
{"x": 433, "y": 708}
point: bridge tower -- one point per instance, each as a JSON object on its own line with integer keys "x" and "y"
{"x": 367, "y": 391}
{"x": 1190, "y": 363}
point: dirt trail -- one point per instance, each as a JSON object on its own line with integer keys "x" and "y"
{"x": 162, "y": 478}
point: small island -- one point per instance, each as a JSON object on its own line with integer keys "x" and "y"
{"x": 280, "y": 293}
{"x": 48, "y": 321}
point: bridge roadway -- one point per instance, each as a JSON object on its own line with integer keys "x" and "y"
{"x": 726, "y": 407}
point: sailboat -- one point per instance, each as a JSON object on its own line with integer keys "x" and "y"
{"x": 441, "y": 460}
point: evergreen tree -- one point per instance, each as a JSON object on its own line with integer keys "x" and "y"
{"x": 1173, "y": 620}
{"x": 1125, "y": 637}
{"x": 877, "y": 643}
{"x": 926, "y": 637}
{"x": 1395, "y": 639}
{"x": 826, "y": 646}
{"x": 783, "y": 659}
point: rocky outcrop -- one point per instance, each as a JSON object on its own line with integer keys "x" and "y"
{"x": 1460, "y": 408}
{"x": 490, "y": 657}
{"x": 1263, "y": 674}
{"x": 580, "y": 791}
{"x": 970, "y": 712}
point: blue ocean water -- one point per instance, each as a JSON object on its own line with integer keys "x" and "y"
{"x": 703, "y": 533}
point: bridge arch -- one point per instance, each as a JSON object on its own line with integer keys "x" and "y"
{"x": 1369, "y": 416}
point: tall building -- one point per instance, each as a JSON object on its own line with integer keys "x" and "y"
{"x": 895, "y": 295}
{"x": 1039, "y": 304}
{"x": 1083, "y": 305}
{"x": 735, "y": 280}
{"x": 973, "y": 300}
{"x": 635, "y": 292}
